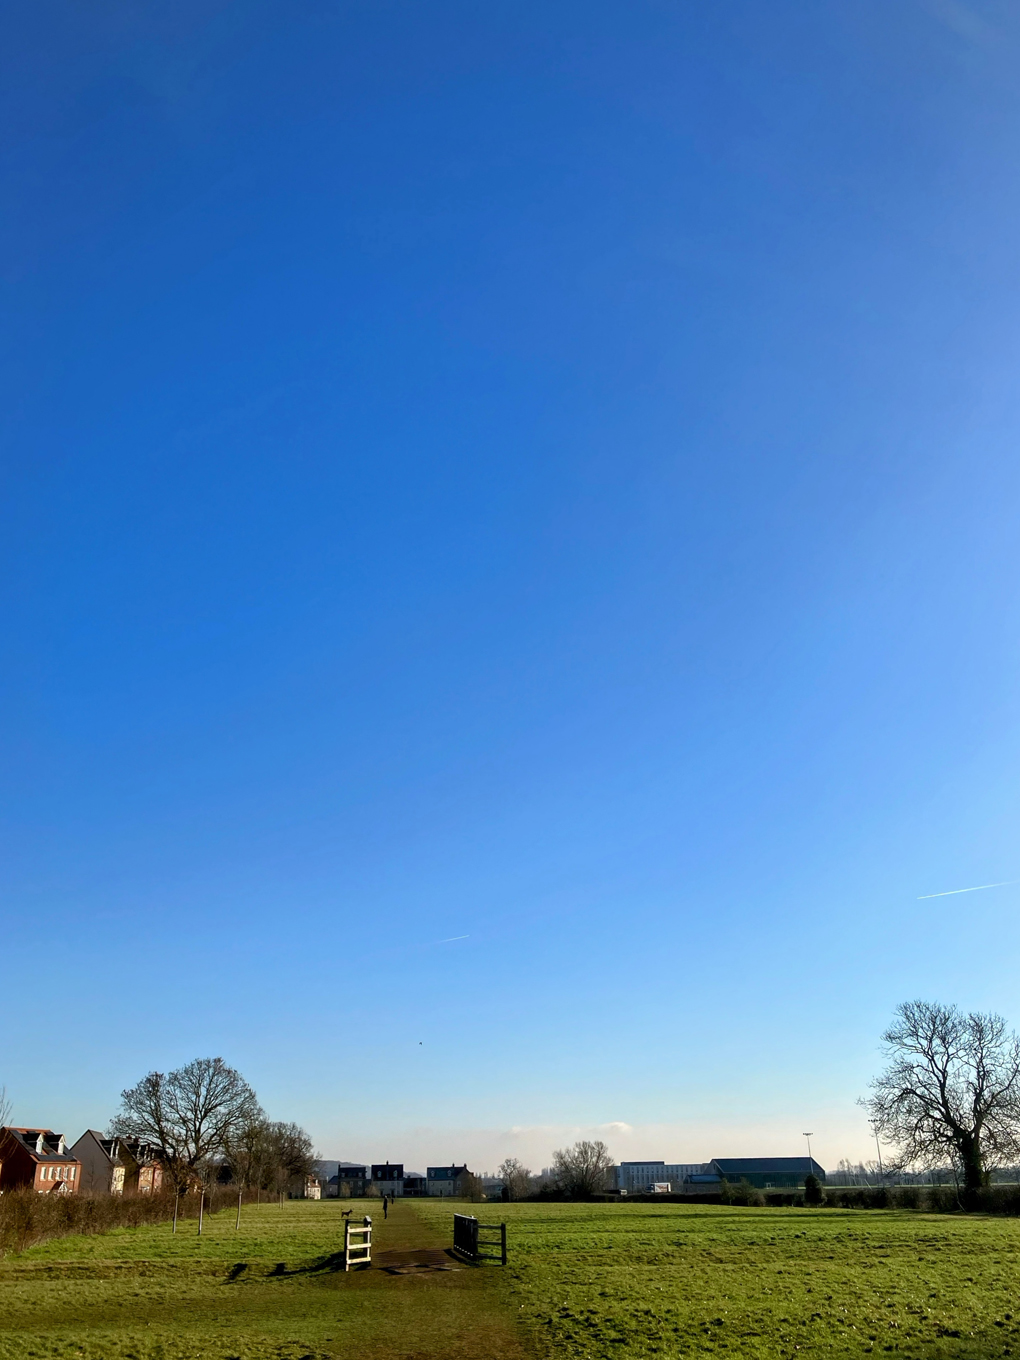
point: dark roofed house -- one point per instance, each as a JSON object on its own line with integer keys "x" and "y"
{"x": 37, "y": 1159}
{"x": 388, "y": 1177}
{"x": 445, "y": 1180}
{"x": 347, "y": 1181}
{"x": 767, "y": 1173}
{"x": 118, "y": 1165}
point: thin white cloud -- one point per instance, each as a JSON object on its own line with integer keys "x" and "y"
{"x": 960, "y": 18}
{"x": 979, "y": 888}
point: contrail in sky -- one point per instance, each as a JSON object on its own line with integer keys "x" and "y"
{"x": 452, "y": 938}
{"x": 980, "y": 888}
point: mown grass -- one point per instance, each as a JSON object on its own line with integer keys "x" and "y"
{"x": 600, "y": 1280}
{"x": 642, "y": 1280}
{"x": 271, "y": 1291}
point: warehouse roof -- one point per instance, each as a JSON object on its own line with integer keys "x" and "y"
{"x": 757, "y": 1166}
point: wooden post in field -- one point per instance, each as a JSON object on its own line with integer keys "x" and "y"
{"x": 238, "y": 1223}
{"x": 177, "y": 1199}
{"x": 201, "y": 1211}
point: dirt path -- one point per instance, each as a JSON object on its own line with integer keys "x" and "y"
{"x": 449, "y": 1310}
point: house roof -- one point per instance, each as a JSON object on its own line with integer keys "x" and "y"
{"x": 27, "y": 1139}
{"x": 745, "y": 1166}
{"x": 138, "y": 1149}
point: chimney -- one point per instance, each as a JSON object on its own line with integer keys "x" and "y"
{"x": 40, "y": 1144}
{"x": 61, "y": 1146}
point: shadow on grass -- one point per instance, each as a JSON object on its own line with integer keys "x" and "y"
{"x": 322, "y": 1265}
{"x": 392, "y": 1262}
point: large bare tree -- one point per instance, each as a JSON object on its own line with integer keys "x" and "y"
{"x": 516, "y": 1178}
{"x": 190, "y": 1113}
{"x": 581, "y": 1170}
{"x": 950, "y": 1092}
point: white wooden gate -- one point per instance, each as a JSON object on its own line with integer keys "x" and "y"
{"x": 363, "y": 1247}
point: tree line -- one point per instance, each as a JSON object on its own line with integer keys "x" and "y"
{"x": 210, "y": 1126}
{"x": 949, "y": 1095}
{"x": 578, "y": 1172}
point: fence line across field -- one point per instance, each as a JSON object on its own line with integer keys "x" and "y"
{"x": 364, "y": 1231}
{"x": 468, "y": 1241}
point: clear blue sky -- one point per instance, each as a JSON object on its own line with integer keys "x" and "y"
{"x": 544, "y": 473}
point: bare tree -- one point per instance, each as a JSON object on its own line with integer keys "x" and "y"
{"x": 292, "y": 1157}
{"x": 248, "y": 1154}
{"x": 191, "y": 1114}
{"x": 516, "y": 1178}
{"x": 951, "y": 1091}
{"x": 582, "y": 1169}
{"x": 469, "y": 1186}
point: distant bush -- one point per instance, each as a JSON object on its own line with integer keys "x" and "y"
{"x": 27, "y": 1218}
{"x": 742, "y": 1192}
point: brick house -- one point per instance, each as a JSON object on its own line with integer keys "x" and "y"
{"x": 38, "y": 1159}
{"x": 118, "y": 1165}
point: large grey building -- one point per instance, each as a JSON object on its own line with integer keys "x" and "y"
{"x": 637, "y": 1178}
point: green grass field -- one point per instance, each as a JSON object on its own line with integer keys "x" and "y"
{"x": 270, "y": 1291}
{"x": 643, "y": 1279}
{"x": 620, "y": 1280}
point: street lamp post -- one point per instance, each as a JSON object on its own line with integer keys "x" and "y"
{"x": 878, "y": 1149}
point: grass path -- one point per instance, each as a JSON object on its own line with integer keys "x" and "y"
{"x": 270, "y": 1291}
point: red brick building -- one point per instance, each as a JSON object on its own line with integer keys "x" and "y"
{"x": 38, "y": 1159}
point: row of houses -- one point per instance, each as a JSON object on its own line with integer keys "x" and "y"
{"x": 389, "y": 1178}
{"x": 43, "y": 1160}
{"x": 39, "y": 1159}
{"x": 700, "y": 1178}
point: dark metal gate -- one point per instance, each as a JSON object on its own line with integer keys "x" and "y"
{"x": 468, "y": 1239}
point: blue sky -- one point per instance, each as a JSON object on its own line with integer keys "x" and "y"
{"x": 544, "y": 474}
